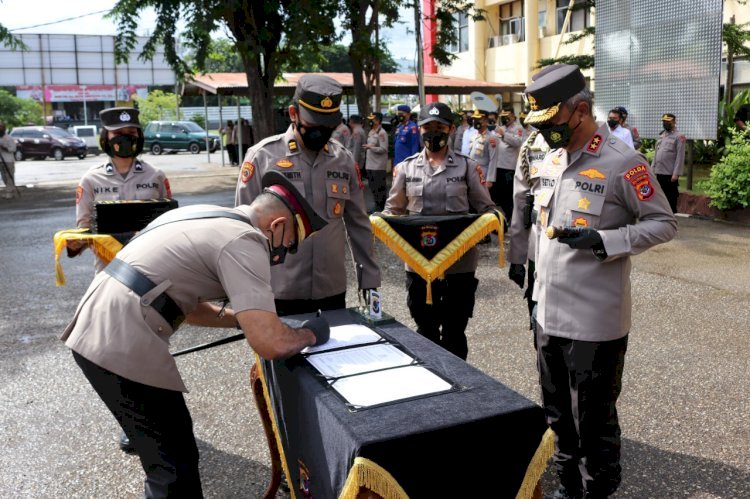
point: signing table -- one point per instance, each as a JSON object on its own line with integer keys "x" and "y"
{"x": 468, "y": 436}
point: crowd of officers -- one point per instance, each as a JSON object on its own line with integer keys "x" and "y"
{"x": 578, "y": 202}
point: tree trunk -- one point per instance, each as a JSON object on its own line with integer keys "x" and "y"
{"x": 360, "y": 87}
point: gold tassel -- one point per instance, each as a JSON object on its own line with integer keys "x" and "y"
{"x": 500, "y": 241}
{"x": 368, "y": 474}
{"x": 537, "y": 465}
{"x": 428, "y": 301}
{"x": 102, "y": 245}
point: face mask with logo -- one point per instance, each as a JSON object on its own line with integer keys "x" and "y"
{"x": 612, "y": 124}
{"x": 124, "y": 146}
{"x": 371, "y": 123}
{"x": 504, "y": 120}
{"x": 667, "y": 126}
{"x": 314, "y": 137}
{"x": 278, "y": 253}
{"x": 477, "y": 124}
{"x": 434, "y": 141}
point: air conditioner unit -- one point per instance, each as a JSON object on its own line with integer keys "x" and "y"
{"x": 494, "y": 42}
{"x": 510, "y": 39}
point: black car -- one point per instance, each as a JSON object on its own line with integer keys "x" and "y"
{"x": 47, "y": 141}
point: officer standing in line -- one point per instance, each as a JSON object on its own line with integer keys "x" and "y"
{"x": 510, "y": 137}
{"x": 123, "y": 178}
{"x": 468, "y": 134}
{"x": 406, "y": 139}
{"x": 121, "y": 329}
{"x": 438, "y": 181}
{"x": 315, "y": 278}
{"x": 376, "y": 150}
{"x": 357, "y": 140}
{"x": 7, "y": 162}
{"x": 458, "y": 135}
{"x": 483, "y": 147}
{"x": 669, "y": 159}
{"x": 342, "y": 134}
{"x": 597, "y": 206}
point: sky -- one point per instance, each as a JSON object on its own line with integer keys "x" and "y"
{"x": 15, "y": 14}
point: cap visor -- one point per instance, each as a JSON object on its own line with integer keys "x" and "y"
{"x": 542, "y": 115}
{"x": 434, "y": 118}
{"x": 320, "y": 119}
{"x": 121, "y": 125}
{"x": 276, "y": 178}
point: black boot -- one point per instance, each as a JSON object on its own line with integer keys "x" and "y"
{"x": 125, "y": 444}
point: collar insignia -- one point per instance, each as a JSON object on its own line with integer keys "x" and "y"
{"x": 292, "y": 145}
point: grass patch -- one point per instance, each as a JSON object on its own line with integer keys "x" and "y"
{"x": 701, "y": 172}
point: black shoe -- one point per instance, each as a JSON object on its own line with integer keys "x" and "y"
{"x": 562, "y": 493}
{"x": 125, "y": 444}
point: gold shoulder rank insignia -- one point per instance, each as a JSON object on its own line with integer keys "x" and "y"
{"x": 292, "y": 146}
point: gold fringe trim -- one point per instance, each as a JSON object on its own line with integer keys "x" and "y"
{"x": 272, "y": 417}
{"x": 368, "y": 474}
{"x": 435, "y": 268}
{"x": 537, "y": 465}
{"x": 104, "y": 246}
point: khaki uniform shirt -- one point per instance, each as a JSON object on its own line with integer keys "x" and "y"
{"x": 508, "y": 147}
{"x": 604, "y": 185}
{"x": 330, "y": 182}
{"x": 358, "y": 139}
{"x": 669, "y": 156}
{"x": 523, "y": 240}
{"x": 377, "y": 157}
{"x": 192, "y": 261}
{"x": 104, "y": 183}
{"x": 483, "y": 150}
{"x": 458, "y": 137}
{"x": 449, "y": 189}
{"x": 342, "y": 134}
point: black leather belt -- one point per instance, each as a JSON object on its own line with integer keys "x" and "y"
{"x": 140, "y": 285}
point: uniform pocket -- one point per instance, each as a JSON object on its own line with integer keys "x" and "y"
{"x": 456, "y": 200}
{"x": 337, "y": 194}
{"x": 414, "y": 192}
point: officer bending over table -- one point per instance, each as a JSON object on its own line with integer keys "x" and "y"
{"x": 597, "y": 205}
{"x": 168, "y": 273}
{"x": 438, "y": 181}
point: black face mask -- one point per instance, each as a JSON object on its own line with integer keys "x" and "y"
{"x": 435, "y": 141}
{"x": 667, "y": 126}
{"x": 278, "y": 253}
{"x": 504, "y": 120}
{"x": 371, "y": 123}
{"x": 124, "y": 146}
{"x": 557, "y": 136}
{"x": 314, "y": 137}
{"x": 612, "y": 124}
{"x": 401, "y": 118}
{"x": 477, "y": 124}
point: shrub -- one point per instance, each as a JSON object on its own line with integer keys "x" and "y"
{"x": 199, "y": 119}
{"x": 728, "y": 186}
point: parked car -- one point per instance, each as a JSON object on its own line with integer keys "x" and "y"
{"x": 46, "y": 141}
{"x": 177, "y": 135}
{"x": 90, "y": 135}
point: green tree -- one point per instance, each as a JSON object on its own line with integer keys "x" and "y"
{"x": 737, "y": 39}
{"x": 15, "y": 111}
{"x": 335, "y": 59}
{"x": 584, "y": 61}
{"x": 266, "y": 36}
{"x": 729, "y": 183}
{"x": 158, "y": 105}
{"x": 222, "y": 57}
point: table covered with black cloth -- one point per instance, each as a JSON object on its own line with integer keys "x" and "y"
{"x": 481, "y": 440}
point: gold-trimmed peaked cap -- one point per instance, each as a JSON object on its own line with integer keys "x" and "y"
{"x": 667, "y": 117}
{"x": 307, "y": 220}
{"x": 318, "y": 98}
{"x": 547, "y": 92}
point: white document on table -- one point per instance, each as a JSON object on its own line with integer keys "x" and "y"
{"x": 345, "y": 336}
{"x": 358, "y": 360}
{"x": 390, "y": 385}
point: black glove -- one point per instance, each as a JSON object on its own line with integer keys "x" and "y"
{"x": 320, "y": 328}
{"x": 517, "y": 273}
{"x": 584, "y": 238}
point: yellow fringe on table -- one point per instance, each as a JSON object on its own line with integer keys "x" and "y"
{"x": 435, "y": 268}
{"x": 367, "y": 474}
{"x": 267, "y": 396}
{"x": 103, "y": 246}
{"x": 537, "y": 465}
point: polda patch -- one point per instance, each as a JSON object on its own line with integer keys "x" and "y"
{"x": 639, "y": 178}
{"x": 247, "y": 171}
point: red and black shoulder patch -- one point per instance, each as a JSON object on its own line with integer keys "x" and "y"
{"x": 640, "y": 179}
{"x": 247, "y": 171}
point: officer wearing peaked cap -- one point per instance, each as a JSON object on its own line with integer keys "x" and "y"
{"x": 121, "y": 330}
{"x": 315, "y": 277}
{"x": 124, "y": 177}
{"x": 598, "y": 196}
{"x": 483, "y": 145}
{"x": 669, "y": 158}
{"x": 438, "y": 181}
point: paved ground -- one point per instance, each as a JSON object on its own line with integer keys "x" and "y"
{"x": 684, "y": 405}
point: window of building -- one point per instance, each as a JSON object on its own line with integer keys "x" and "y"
{"x": 579, "y": 19}
{"x": 461, "y": 24}
{"x": 511, "y": 22}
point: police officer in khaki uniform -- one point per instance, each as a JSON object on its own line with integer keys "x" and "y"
{"x": 483, "y": 145}
{"x": 357, "y": 140}
{"x": 438, "y": 181}
{"x": 121, "y": 329}
{"x": 342, "y": 134}
{"x": 315, "y": 278}
{"x": 510, "y": 137}
{"x": 124, "y": 177}
{"x": 7, "y": 162}
{"x": 376, "y": 150}
{"x": 669, "y": 159}
{"x": 601, "y": 192}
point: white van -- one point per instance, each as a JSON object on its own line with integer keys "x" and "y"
{"x": 90, "y": 135}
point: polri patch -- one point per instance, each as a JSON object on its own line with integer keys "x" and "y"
{"x": 247, "y": 171}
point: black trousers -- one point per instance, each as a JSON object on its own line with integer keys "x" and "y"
{"x": 159, "y": 426}
{"x": 293, "y": 307}
{"x": 376, "y": 180}
{"x": 528, "y": 294}
{"x": 444, "y": 322}
{"x": 501, "y": 193}
{"x": 670, "y": 190}
{"x": 232, "y": 152}
{"x": 581, "y": 382}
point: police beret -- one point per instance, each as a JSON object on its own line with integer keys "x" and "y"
{"x": 318, "y": 98}
{"x": 307, "y": 220}
{"x": 546, "y": 93}
{"x": 115, "y": 118}
{"x": 404, "y": 108}
{"x": 435, "y": 111}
